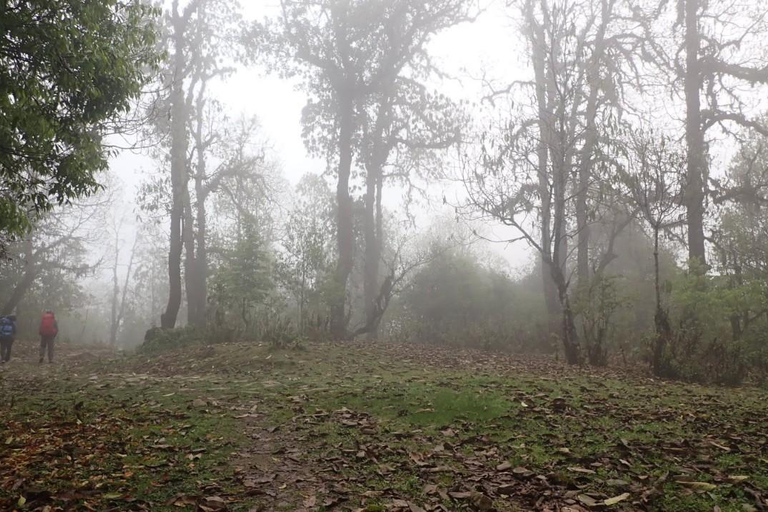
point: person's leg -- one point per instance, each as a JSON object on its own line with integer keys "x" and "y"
{"x": 50, "y": 349}
{"x": 3, "y": 344}
{"x": 8, "y": 350}
{"x": 42, "y": 349}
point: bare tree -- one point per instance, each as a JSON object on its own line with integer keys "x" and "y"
{"x": 58, "y": 240}
{"x": 119, "y": 299}
{"x": 714, "y": 52}
{"x": 199, "y": 38}
{"x": 348, "y": 54}
{"x": 654, "y": 176}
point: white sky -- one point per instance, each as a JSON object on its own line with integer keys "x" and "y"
{"x": 490, "y": 47}
{"x": 467, "y": 52}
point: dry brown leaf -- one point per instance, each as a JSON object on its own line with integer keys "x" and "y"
{"x": 616, "y": 499}
{"x": 480, "y": 501}
{"x": 699, "y": 486}
{"x": 587, "y": 500}
{"x": 584, "y": 471}
{"x": 507, "y": 489}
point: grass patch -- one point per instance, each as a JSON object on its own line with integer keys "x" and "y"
{"x": 113, "y": 445}
{"x": 365, "y": 425}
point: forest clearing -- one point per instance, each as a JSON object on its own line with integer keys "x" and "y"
{"x": 362, "y": 426}
{"x": 384, "y": 255}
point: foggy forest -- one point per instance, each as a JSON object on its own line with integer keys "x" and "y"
{"x": 384, "y": 255}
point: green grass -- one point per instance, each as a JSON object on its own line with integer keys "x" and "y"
{"x": 403, "y": 423}
{"x": 114, "y": 443}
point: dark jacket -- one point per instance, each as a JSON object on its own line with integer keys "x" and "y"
{"x": 6, "y": 320}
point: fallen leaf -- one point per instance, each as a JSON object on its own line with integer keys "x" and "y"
{"x": 587, "y": 500}
{"x": 480, "y": 501}
{"x": 507, "y": 489}
{"x": 521, "y": 471}
{"x": 718, "y": 445}
{"x": 616, "y": 499}
{"x": 581, "y": 470}
{"x": 699, "y": 486}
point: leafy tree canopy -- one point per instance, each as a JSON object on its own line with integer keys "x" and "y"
{"x": 68, "y": 69}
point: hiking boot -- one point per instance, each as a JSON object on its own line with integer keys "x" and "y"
{"x": 40, "y": 361}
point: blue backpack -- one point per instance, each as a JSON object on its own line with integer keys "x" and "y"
{"x": 6, "y": 327}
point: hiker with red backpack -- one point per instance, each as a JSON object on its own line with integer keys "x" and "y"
{"x": 49, "y": 328}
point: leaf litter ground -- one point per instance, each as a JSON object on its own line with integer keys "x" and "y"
{"x": 369, "y": 427}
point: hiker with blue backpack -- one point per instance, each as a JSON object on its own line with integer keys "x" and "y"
{"x": 7, "y": 335}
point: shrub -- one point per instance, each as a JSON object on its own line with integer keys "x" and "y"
{"x": 456, "y": 300}
{"x": 162, "y": 340}
{"x": 702, "y": 346}
{"x": 272, "y": 327}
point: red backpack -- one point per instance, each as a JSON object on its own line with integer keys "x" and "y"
{"x": 48, "y": 325}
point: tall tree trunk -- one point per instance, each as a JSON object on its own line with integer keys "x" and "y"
{"x": 115, "y": 294}
{"x": 198, "y": 278}
{"x": 190, "y": 263}
{"x": 373, "y": 224}
{"x": 582, "y": 223}
{"x": 31, "y": 271}
{"x": 558, "y": 262}
{"x": 661, "y": 319}
{"x": 372, "y": 251}
{"x": 694, "y": 134}
{"x": 344, "y": 220}
{"x": 380, "y": 248}
{"x": 201, "y": 259}
{"x": 539, "y": 67}
{"x": 178, "y": 171}
{"x": 123, "y": 299}
{"x": 554, "y": 157}
{"x": 571, "y": 345}
{"x": 588, "y": 149}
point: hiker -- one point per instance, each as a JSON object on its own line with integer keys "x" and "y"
{"x": 49, "y": 328}
{"x": 7, "y": 334}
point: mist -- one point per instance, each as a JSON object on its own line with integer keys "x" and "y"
{"x": 384, "y": 255}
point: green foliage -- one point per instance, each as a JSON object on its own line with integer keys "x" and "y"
{"x": 455, "y": 300}
{"x": 68, "y": 69}
{"x": 162, "y": 340}
{"x": 243, "y": 279}
{"x": 596, "y": 305}
{"x": 306, "y": 264}
{"x": 159, "y": 340}
{"x": 703, "y": 346}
